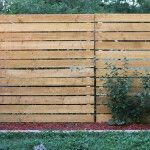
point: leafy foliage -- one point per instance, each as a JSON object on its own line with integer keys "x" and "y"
{"x": 124, "y": 107}
{"x": 73, "y": 6}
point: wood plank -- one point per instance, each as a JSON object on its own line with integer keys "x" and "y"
{"x": 47, "y": 118}
{"x": 36, "y": 45}
{"x": 45, "y": 54}
{"x": 44, "y": 36}
{"x": 103, "y": 109}
{"x": 46, "y": 81}
{"x": 72, "y": 72}
{"x": 46, "y": 91}
{"x": 46, "y": 18}
{"x": 101, "y": 100}
{"x": 46, "y": 100}
{"x": 130, "y": 73}
{"x": 122, "y": 54}
{"x": 103, "y": 117}
{"x": 45, "y": 63}
{"x": 123, "y": 36}
{"x": 119, "y": 64}
{"x": 123, "y": 27}
{"x": 122, "y": 18}
{"x": 37, "y": 109}
{"x": 123, "y": 45}
{"x": 136, "y": 82}
{"x": 26, "y": 27}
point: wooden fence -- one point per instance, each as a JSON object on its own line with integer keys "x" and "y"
{"x": 48, "y": 70}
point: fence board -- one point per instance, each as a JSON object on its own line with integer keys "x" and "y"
{"x": 46, "y": 100}
{"x": 45, "y": 36}
{"x": 31, "y": 45}
{"x": 45, "y": 54}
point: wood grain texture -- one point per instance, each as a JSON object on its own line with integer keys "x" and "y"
{"x": 47, "y": 73}
{"x": 46, "y": 18}
{"x": 46, "y": 118}
{"x": 46, "y": 91}
{"x": 37, "y": 109}
{"x": 64, "y": 100}
{"x": 122, "y": 18}
{"x": 45, "y": 36}
{"x": 45, "y": 54}
{"x": 36, "y": 45}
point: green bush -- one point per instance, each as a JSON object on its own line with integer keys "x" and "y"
{"x": 125, "y": 108}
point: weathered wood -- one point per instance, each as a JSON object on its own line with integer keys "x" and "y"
{"x": 123, "y": 45}
{"x": 139, "y": 36}
{"x": 45, "y": 63}
{"x": 46, "y": 91}
{"x": 46, "y": 118}
{"x": 45, "y": 36}
{"x": 47, "y": 73}
{"x": 36, "y": 109}
{"x": 45, "y": 54}
{"x": 123, "y": 27}
{"x": 46, "y": 100}
{"x": 46, "y": 81}
{"x": 36, "y": 45}
{"x": 122, "y": 17}
{"x": 46, "y": 18}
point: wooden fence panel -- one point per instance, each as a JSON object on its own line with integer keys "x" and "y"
{"x": 120, "y": 36}
{"x": 46, "y": 68}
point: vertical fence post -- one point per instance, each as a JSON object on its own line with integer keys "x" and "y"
{"x": 94, "y": 60}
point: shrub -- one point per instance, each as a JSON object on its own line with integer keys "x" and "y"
{"x": 124, "y": 107}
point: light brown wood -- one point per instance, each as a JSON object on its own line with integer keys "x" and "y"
{"x": 131, "y": 64}
{"x": 34, "y": 109}
{"x": 45, "y": 54}
{"x": 123, "y": 36}
{"x": 123, "y": 45}
{"x": 103, "y": 117}
{"x": 122, "y": 54}
{"x": 36, "y": 45}
{"x": 122, "y": 17}
{"x": 101, "y": 100}
{"x": 123, "y": 27}
{"x": 44, "y": 36}
{"x": 47, "y": 118}
{"x": 46, "y": 81}
{"x": 46, "y": 91}
{"x": 102, "y": 109}
{"x": 46, "y": 18}
{"x": 46, "y": 100}
{"x": 131, "y": 72}
{"x": 26, "y": 27}
{"x": 47, "y": 73}
{"x": 45, "y": 63}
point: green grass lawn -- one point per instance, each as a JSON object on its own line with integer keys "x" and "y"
{"x": 76, "y": 140}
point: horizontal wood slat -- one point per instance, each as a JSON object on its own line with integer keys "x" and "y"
{"x": 26, "y": 27}
{"x": 44, "y": 63}
{"x": 36, "y": 109}
{"x": 31, "y": 45}
{"x": 123, "y": 36}
{"x": 46, "y": 118}
{"x": 45, "y": 54}
{"x": 46, "y": 91}
{"x": 123, "y": 27}
{"x": 46, "y": 81}
{"x": 47, "y": 100}
{"x": 46, "y": 73}
{"x": 44, "y": 36}
{"x": 123, "y": 45}
{"x": 122, "y": 18}
{"x": 46, "y": 18}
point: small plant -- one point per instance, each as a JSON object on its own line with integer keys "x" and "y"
{"x": 145, "y": 94}
{"x": 124, "y": 107}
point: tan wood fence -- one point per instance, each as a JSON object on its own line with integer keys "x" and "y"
{"x": 48, "y": 70}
